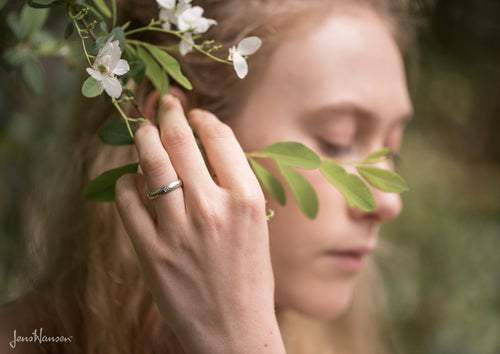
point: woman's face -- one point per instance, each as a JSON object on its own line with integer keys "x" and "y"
{"x": 338, "y": 86}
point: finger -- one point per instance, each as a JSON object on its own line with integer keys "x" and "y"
{"x": 158, "y": 170}
{"x": 180, "y": 143}
{"x": 135, "y": 215}
{"x": 143, "y": 189}
{"x": 224, "y": 153}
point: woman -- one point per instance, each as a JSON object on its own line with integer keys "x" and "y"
{"x": 222, "y": 279}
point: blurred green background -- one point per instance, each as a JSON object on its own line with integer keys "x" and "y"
{"x": 443, "y": 275}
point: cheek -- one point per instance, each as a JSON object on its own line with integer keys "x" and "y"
{"x": 304, "y": 281}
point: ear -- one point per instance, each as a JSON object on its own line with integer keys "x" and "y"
{"x": 151, "y": 102}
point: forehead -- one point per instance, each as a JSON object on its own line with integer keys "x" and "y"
{"x": 348, "y": 55}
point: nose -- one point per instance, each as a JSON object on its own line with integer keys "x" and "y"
{"x": 387, "y": 206}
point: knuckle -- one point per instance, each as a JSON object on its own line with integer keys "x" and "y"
{"x": 145, "y": 130}
{"x": 152, "y": 163}
{"x": 216, "y": 131}
{"x": 248, "y": 201}
{"x": 210, "y": 214}
{"x": 175, "y": 136}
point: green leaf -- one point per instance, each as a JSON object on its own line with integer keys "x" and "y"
{"x": 102, "y": 188}
{"x": 104, "y": 26}
{"x": 270, "y": 183}
{"x": 119, "y": 35}
{"x": 293, "y": 154}
{"x": 101, "y": 5}
{"x": 2, "y": 3}
{"x": 32, "y": 20}
{"x": 116, "y": 133}
{"x": 42, "y": 4}
{"x": 98, "y": 44}
{"x": 129, "y": 52}
{"x": 15, "y": 25}
{"x": 92, "y": 10}
{"x": 354, "y": 190}
{"x": 385, "y": 180}
{"x": 302, "y": 191}
{"x": 32, "y": 74}
{"x": 14, "y": 57}
{"x": 90, "y": 88}
{"x": 376, "y": 156}
{"x": 69, "y": 30}
{"x": 137, "y": 70}
{"x": 170, "y": 65}
{"x": 153, "y": 71}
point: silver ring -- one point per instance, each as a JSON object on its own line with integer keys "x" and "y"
{"x": 164, "y": 190}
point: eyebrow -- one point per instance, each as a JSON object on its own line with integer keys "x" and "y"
{"x": 357, "y": 110}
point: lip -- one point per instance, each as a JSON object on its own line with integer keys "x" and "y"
{"x": 351, "y": 260}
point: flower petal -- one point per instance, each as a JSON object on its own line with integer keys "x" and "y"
{"x": 168, "y": 4}
{"x": 240, "y": 65}
{"x": 249, "y": 45}
{"x": 121, "y": 67}
{"x": 185, "y": 47}
{"x": 169, "y": 16}
{"x": 203, "y": 24}
{"x": 95, "y": 74}
{"x": 112, "y": 86}
{"x": 190, "y": 18}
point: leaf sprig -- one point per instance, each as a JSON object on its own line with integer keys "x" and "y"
{"x": 289, "y": 155}
{"x": 146, "y": 60}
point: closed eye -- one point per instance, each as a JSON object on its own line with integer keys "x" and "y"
{"x": 334, "y": 150}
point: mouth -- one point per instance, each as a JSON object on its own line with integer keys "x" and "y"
{"x": 350, "y": 260}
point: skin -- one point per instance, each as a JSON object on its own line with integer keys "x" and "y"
{"x": 341, "y": 83}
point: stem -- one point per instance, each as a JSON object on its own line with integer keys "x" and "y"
{"x": 175, "y": 33}
{"x": 82, "y": 37}
{"x": 124, "y": 116}
{"x": 83, "y": 21}
{"x": 323, "y": 159}
{"x": 91, "y": 32}
{"x": 113, "y": 7}
{"x": 136, "y": 106}
{"x": 351, "y": 163}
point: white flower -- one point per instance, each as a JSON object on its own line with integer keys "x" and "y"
{"x": 192, "y": 20}
{"x": 238, "y": 53}
{"x": 187, "y": 18}
{"x": 167, "y": 4}
{"x": 107, "y": 65}
{"x": 169, "y": 16}
{"x": 171, "y": 12}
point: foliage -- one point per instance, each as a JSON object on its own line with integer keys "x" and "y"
{"x": 103, "y": 42}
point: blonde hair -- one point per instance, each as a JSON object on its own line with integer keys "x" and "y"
{"x": 90, "y": 286}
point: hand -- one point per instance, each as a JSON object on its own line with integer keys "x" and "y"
{"x": 204, "y": 248}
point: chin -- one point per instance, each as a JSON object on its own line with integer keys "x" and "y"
{"x": 322, "y": 302}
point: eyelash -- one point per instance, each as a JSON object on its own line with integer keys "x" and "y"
{"x": 333, "y": 149}
{"x": 330, "y": 149}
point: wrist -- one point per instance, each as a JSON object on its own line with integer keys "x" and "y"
{"x": 251, "y": 336}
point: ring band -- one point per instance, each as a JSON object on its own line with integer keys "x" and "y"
{"x": 164, "y": 190}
